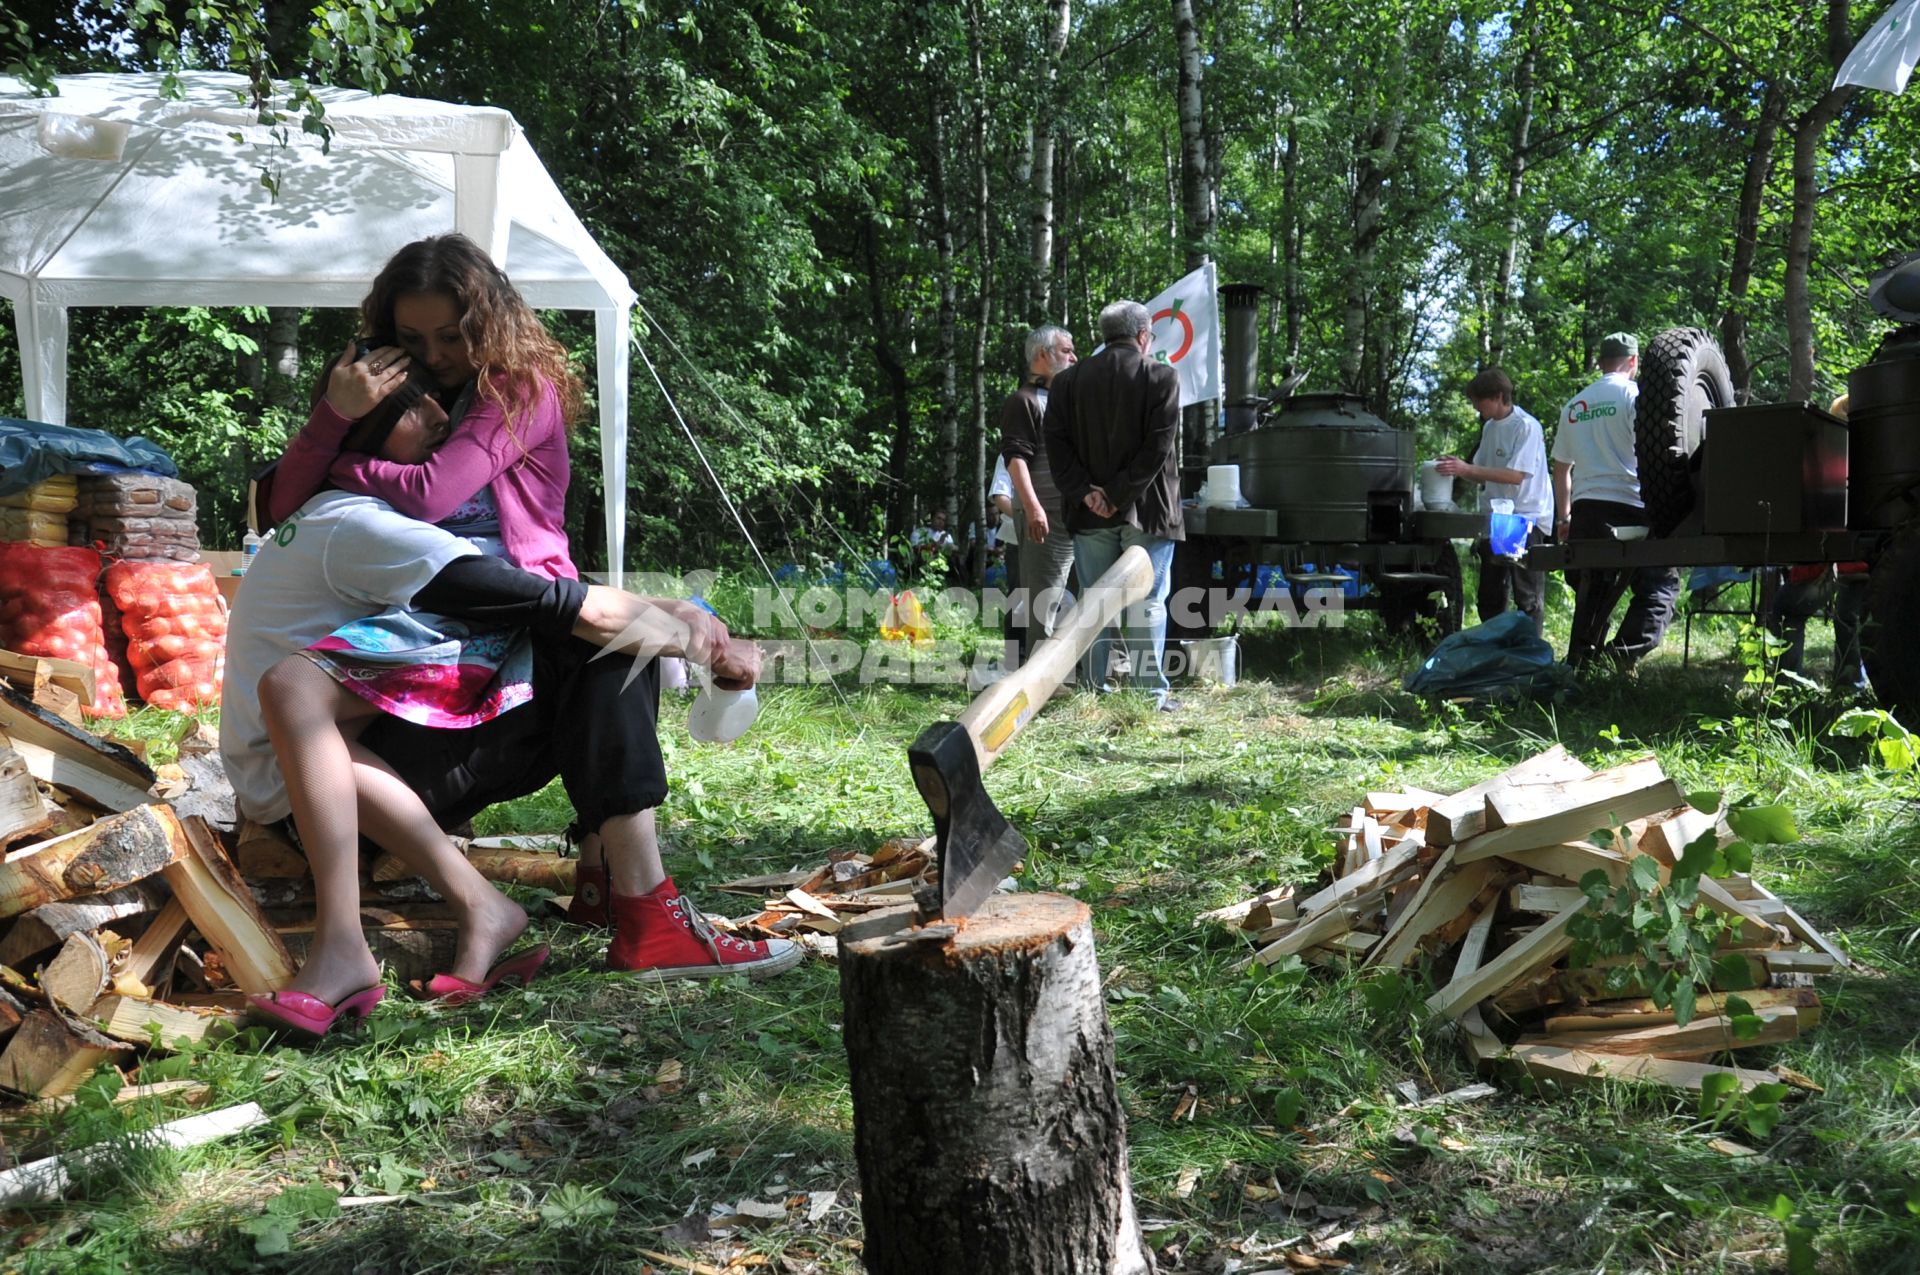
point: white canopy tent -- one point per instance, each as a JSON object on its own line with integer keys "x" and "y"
{"x": 112, "y": 195}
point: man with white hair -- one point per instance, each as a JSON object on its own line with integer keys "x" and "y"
{"x": 1112, "y": 431}
{"x": 1045, "y": 545}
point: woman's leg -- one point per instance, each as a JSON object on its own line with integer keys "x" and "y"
{"x": 397, "y": 820}
{"x": 304, "y": 709}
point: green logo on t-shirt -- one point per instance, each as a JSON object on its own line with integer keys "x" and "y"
{"x": 1580, "y": 410}
{"x": 284, "y": 536}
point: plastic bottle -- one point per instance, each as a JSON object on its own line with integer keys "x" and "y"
{"x": 249, "y": 546}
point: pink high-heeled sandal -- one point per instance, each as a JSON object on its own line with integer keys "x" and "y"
{"x": 520, "y": 968}
{"x": 311, "y": 1016}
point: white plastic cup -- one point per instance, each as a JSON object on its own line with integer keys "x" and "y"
{"x": 1436, "y": 488}
{"x": 719, "y": 716}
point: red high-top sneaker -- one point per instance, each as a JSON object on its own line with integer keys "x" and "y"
{"x": 661, "y": 936}
{"x": 590, "y": 892}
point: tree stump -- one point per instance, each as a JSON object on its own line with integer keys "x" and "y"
{"x": 987, "y": 1123}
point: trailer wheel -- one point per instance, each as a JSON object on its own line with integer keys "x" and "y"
{"x": 1426, "y": 612}
{"x": 1682, "y": 375}
{"x": 1887, "y": 630}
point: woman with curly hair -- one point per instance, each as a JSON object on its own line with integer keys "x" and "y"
{"x": 499, "y": 481}
{"x": 442, "y": 303}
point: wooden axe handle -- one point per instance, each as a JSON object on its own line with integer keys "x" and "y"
{"x": 1000, "y": 711}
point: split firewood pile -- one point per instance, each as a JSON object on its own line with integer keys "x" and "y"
{"x": 135, "y": 915}
{"x": 124, "y": 925}
{"x": 1486, "y": 884}
{"x": 810, "y": 905}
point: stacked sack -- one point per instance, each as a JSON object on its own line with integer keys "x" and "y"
{"x": 175, "y": 623}
{"x": 50, "y": 607}
{"x": 136, "y": 515}
{"x": 38, "y": 514}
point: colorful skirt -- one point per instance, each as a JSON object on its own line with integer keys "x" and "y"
{"x": 430, "y": 669}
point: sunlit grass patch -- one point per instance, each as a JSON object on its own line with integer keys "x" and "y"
{"x": 561, "y": 1127}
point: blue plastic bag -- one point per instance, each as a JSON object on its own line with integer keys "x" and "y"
{"x": 34, "y": 450}
{"x": 1507, "y": 535}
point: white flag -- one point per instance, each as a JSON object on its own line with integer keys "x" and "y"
{"x": 1186, "y": 333}
{"x": 1886, "y": 54}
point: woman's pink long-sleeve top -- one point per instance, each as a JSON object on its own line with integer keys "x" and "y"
{"x": 526, "y": 467}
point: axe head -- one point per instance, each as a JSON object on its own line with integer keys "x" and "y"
{"x": 977, "y": 846}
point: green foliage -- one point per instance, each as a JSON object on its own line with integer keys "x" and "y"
{"x": 1802, "y": 1258}
{"x": 1663, "y": 936}
{"x": 771, "y": 179}
{"x": 273, "y": 1230}
{"x": 1893, "y": 743}
{"x": 573, "y": 1207}
{"x": 1757, "y": 1112}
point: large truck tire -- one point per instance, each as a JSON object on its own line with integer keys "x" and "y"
{"x": 1682, "y": 374}
{"x": 1887, "y": 630}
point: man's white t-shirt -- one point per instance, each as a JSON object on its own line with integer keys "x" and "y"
{"x": 1596, "y": 437}
{"x": 1007, "y": 528}
{"x": 1516, "y": 441}
{"x": 342, "y": 557}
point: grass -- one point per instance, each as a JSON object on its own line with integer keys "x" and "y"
{"x": 565, "y": 1127}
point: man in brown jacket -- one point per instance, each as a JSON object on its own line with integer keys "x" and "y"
{"x": 1112, "y": 430}
{"x": 1045, "y": 550}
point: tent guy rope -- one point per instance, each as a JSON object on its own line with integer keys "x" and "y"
{"x": 733, "y": 510}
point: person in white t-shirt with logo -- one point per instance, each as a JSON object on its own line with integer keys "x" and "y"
{"x": 1512, "y": 462}
{"x": 1596, "y": 484}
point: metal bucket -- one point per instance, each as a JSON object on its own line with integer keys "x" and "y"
{"x": 1214, "y": 659}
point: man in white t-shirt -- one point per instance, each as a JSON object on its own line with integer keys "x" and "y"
{"x": 1512, "y": 462}
{"x": 1596, "y": 483}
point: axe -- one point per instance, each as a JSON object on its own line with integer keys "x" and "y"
{"x": 976, "y": 846}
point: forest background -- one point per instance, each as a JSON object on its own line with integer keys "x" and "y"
{"x": 842, "y": 219}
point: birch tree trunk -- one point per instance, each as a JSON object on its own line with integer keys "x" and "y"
{"x": 1040, "y": 295}
{"x": 983, "y": 234}
{"x": 1292, "y": 223}
{"x": 1173, "y": 200}
{"x": 1196, "y": 204}
{"x": 1746, "y": 238}
{"x": 1809, "y": 134}
{"x": 1371, "y": 168}
{"x": 1197, "y": 215}
{"x": 1516, "y": 189}
{"x": 948, "y": 351}
{"x": 282, "y": 357}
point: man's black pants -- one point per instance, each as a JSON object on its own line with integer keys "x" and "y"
{"x": 1505, "y": 583}
{"x": 593, "y": 719}
{"x": 1597, "y": 590}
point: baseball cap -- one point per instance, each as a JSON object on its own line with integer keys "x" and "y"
{"x": 1619, "y": 345}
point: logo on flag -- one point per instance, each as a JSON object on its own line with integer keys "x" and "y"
{"x": 1886, "y": 55}
{"x": 1186, "y": 334}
